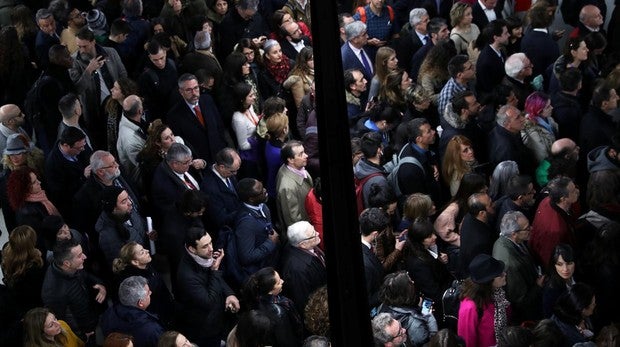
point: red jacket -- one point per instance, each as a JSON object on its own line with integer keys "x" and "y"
{"x": 551, "y": 226}
{"x": 315, "y": 214}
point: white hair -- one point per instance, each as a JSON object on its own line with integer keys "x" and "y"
{"x": 296, "y": 232}
{"x": 515, "y": 64}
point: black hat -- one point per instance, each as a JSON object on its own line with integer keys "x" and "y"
{"x": 485, "y": 268}
{"x": 109, "y": 197}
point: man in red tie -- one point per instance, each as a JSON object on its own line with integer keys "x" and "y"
{"x": 197, "y": 120}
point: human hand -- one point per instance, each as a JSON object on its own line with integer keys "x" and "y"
{"x": 443, "y": 258}
{"x": 102, "y": 293}
{"x": 95, "y": 64}
{"x": 152, "y": 235}
{"x": 199, "y": 164}
{"x": 218, "y": 256}
{"x": 274, "y": 237}
{"x": 401, "y": 239}
{"x": 232, "y": 304}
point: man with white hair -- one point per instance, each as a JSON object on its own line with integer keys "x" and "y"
{"x": 352, "y": 51}
{"x": 129, "y": 316}
{"x": 518, "y": 69}
{"x": 302, "y": 263}
{"x": 524, "y": 290}
{"x": 505, "y": 141}
{"x": 387, "y": 331}
{"x": 412, "y": 37}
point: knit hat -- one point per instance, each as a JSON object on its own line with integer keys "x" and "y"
{"x": 97, "y": 22}
{"x": 485, "y": 268}
{"x": 109, "y": 197}
{"x": 17, "y": 143}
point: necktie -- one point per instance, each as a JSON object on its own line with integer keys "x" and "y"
{"x": 365, "y": 62}
{"x": 229, "y": 184}
{"x": 188, "y": 182}
{"x": 425, "y": 40}
{"x": 199, "y": 115}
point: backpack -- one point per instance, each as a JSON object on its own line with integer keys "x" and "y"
{"x": 33, "y": 106}
{"x": 394, "y": 165}
{"x": 362, "y": 12}
{"x": 359, "y": 190}
{"x": 451, "y": 301}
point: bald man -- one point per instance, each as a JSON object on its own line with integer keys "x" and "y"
{"x": 565, "y": 154}
{"x": 11, "y": 121}
{"x": 131, "y": 135}
{"x": 590, "y": 20}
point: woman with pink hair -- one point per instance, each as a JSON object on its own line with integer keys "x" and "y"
{"x": 540, "y": 129}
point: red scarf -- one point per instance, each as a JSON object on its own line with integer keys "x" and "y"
{"x": 42, "y": 198}
{"x": 280, "y": 70}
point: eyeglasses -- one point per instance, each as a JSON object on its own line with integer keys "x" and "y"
{"x": 113, "y": 165}
{"x": 527, "y": 228}
{"x": 401, "y": 333}
{"x": 188, "y": 162}
{"x": 311, "y": 237}
{"x": 187, "y": 90}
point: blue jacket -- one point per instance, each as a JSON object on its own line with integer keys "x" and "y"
{"x": 254, "y": 248}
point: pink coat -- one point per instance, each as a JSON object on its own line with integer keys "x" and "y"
{"x": 477, "y": 332}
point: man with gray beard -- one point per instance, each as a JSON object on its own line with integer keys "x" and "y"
{"x": 105, "y": 172}
{"x": 95, "y": 69}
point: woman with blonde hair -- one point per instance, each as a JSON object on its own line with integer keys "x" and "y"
{"x": 277, "y": 133}
{"x": 42, "y": 329}
{"x": 385, "y": 62}
{"x": 418, "y": 206}
{"x": 464, "y": 32}
{"x": 22, "y": 265}
{"x": 458, "y": 160}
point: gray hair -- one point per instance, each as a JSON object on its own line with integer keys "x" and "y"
{"x": 269, "y": 44}
{"x": 502, "y": 174}
{"x": 178, "y": 152}
{"x": 132, "y": 8}
{"x": 132, "y": 290}
{"x": 502, "y": 115}
{"x": 379, "y": 323}
{"x": 202, "y": 40}
{"x": 184, "y": 78}
{"x": 415, "y": 16}
{"x": 510, "y": 223}
{"x": 354, "y": 29}
{"x": 316, "y": 341}
{"x": 132, "y": 105}
{"x": 296, "y": 232}
{"x": 96, "y": 160}
{"x": 515, "y": 64}
{"x": 43, "y": 13}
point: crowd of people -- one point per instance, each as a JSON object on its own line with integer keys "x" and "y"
{"x": 161, "y": 172}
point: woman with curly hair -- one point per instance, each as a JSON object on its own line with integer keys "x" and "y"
{"x": 385, "y": 62}
{"x": 123, "y": 87}
{"x": 540, "y": 129}
{"x": 458, "y": 160}
{"x": 15, "y": 68}
{"x": 28, "y": 199}
{"x": 464, "y": 32}
{"x": 399, "y": 298}
{"x": 394, "y": 90}
{"x": 262, "y": 292}
{"x": 316, "y": 312}
{"x": 135, "y": 260}
{"x": 158, "y": 141}
{"x": 433, "y": 73}
{"x": 22, "y": 266}
{"x": 484, "y": 309}
{"x": 42, "y": 329}
{"x": 300, "y": 79}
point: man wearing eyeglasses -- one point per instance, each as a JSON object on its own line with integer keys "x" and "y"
{"x": 387, "y": 331}
{"x": 197, "y": 120}
{"x": 220, "y": 187}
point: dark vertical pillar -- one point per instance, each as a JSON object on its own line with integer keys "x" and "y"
{"x": 348, "y": 305}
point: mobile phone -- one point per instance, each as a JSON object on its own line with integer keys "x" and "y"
{"x": 402, "y": 238}
{"x": 427, "y": 304}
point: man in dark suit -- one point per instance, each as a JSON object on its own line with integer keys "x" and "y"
{"x": 196, "y": 119}
{"x": 412, "y": 37}
{"x": 65, "y": 169}
{"x": 293, "y": 41}
{"x": 477, "y": 236}
{"x": 47, "y": 36}
{"x": 302, "y": 263}
{"x": 372, "y": 222}
{"x": 220, "y": 187}
{"x": 490, "y": 65}
{"x": 485, "y": 11}
{"x": 438, "y": 32}
{"x": 353, "y": 54}
{"x": 538, "y": 44}
{"x": 171, "y": 178}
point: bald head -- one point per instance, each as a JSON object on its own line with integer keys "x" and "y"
{"x": 566, "y": 148}
{"x": 591, "y": 16}
{"x": 132, "y": 107}
{"x": 11, "y": 116}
